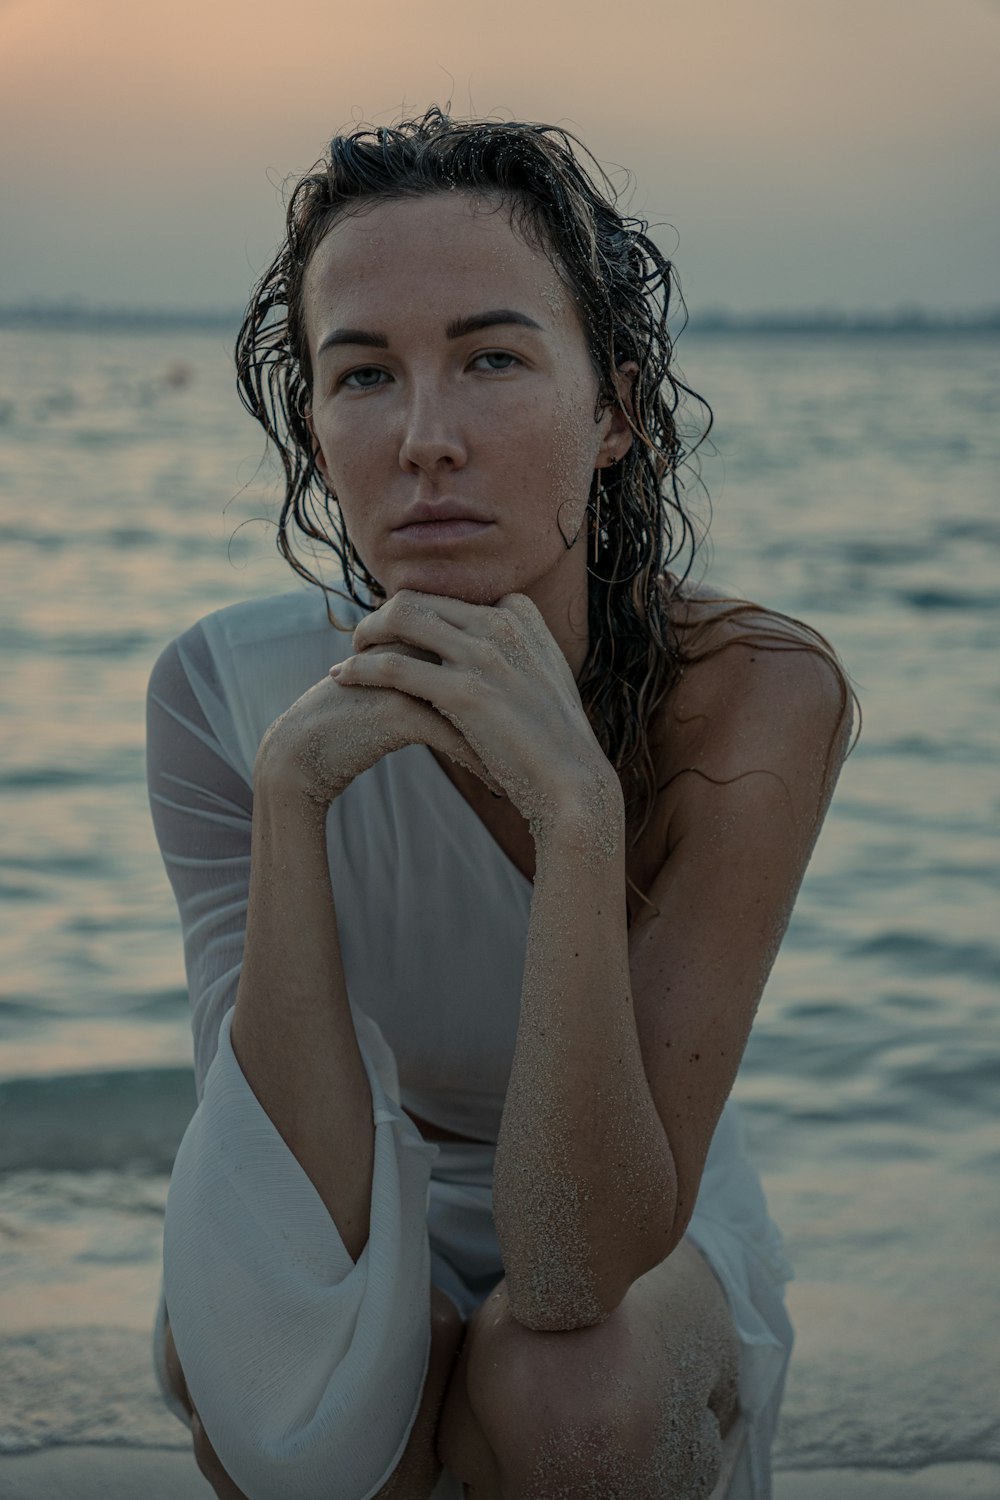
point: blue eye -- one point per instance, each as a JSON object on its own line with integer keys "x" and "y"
{"x": 498, "y": 354}
{"x": 367, "y": 370}
{"x": 374, "y": 370}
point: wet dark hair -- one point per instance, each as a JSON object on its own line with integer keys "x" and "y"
{"x": 642, "y": 631}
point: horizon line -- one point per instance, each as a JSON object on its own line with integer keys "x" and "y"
{"x": 904, "y": 317}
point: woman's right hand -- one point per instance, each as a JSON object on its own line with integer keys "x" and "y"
{"x": 332, "y": 734}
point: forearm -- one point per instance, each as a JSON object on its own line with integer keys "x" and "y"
{"x": 584, "y": 1182}
{"x": 292, "y": 1031}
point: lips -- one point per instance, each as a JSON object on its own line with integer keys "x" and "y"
{"x": 433, "y": 533}
{"x": 420, "y": 515}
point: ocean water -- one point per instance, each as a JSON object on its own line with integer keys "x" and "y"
{"x": 854, "y": 484}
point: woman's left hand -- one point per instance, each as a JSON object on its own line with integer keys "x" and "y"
{"x": 497, "y": 673}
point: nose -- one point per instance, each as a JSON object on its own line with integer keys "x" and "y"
{"x": 432, "y": 435}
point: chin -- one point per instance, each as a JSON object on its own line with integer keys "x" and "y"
{"x": 482, "y": 585}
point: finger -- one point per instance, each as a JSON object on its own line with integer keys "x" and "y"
{"x": 401, "y": 648}
{"x": 416, "y": 676}
{"x": 436, "y": 623}
{"x": 442, "y": 735}
{"x": 421, "y": 722}
{"x": 431, "y": 686}
{"x": 519, "y": 604}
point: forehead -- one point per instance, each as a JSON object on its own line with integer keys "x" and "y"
{"x": 443, "y": 249}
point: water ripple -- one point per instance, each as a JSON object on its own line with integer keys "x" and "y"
{"x": 940, "y": 598}
{"x": 917, "y": 953}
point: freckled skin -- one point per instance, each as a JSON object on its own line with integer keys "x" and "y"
{"x": 512, "y": 436}
{"x": 518, "y": 447}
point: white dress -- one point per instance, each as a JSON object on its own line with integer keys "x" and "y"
{"x": 306, "y": 1368}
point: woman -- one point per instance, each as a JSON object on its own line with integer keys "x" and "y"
{"x": 465, "y": 1200}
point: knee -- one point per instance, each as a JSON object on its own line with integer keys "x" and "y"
{"x": 585, "y": 1454}
{"x": 520, "y": 1377}
{"x": 687, "y": 1458}
{"x": 568, "y": 1414}
{"x": 559, "y": 1417}
{"x": 617, "y": 1457}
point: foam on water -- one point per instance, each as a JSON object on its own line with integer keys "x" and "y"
{"x": 79, "y": 1275}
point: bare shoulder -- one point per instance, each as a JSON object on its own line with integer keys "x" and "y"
{"x": 760, "y": 691}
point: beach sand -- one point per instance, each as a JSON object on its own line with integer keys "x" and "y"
{"x": 103, "y": 1473}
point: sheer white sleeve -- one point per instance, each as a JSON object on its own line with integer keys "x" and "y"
{"x": 201, "y": 800}
{"x": 305, "y": 1368}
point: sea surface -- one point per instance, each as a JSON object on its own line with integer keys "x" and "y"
{"x": 854, "y": 484}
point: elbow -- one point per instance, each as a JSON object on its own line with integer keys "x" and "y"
{"x": 568, "y": 1304}
{"x": 551, "y": 1319}
{"x": 554, "y": 1298}
{"x": 559, "y": 1298}
{"x": 558, "y": 1319}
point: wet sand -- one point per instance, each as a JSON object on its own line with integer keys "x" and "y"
{"x": 94, "y": 1473}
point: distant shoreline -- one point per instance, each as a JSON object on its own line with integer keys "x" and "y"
{"x": 70, "y": 317}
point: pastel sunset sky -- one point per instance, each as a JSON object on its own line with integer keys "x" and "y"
{"x": 788, "y": 153}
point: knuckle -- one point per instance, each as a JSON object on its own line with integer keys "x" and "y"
{"x": 505, "y": 627}
{"x": 399, "y": 606}
{"x": 383, "y": 667}
{"x": 470, "y": 684}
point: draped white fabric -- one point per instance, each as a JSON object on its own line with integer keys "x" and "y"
{"x": 305, "y": 1367}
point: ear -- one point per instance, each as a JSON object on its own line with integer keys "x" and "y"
{"x": 618, "y": 437}
{"x": 318, "y": 455}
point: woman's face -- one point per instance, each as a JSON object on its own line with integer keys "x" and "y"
{"x": 411, "y": 410}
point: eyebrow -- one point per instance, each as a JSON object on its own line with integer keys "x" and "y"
{"x": 457, "y": 329}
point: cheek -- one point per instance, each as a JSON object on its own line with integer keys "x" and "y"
{"x": 356, "y": 462}
{"x": 570, "y": 448}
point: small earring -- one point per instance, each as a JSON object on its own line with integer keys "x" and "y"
{"x": 597, "y": 511}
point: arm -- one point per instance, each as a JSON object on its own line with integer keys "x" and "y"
{"x": 283, "y": 1336}
{"x": 249, "y": 870}
{"x": 628, "y": 1047}
{"x": 579, "y": 1123}
{"x": 584, "y": 1182}
{"x": 292, "y": 1030}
